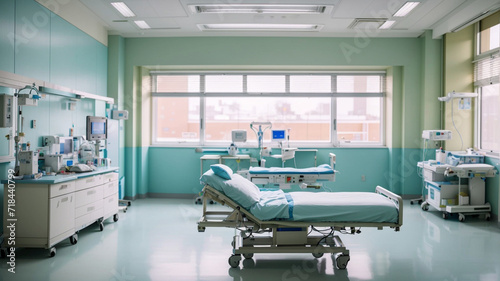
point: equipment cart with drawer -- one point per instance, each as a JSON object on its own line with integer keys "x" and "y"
{"x": 53, "y": 208}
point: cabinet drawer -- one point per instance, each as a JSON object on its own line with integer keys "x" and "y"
{"x": 109, "y": 177}
{"x": 88, "y": 182}
{"x": 87, "y": 196}
{"x": 110, "y": 204}
{"x": 110, "y": 188}
{"x": 89, "y": 209}
{"x": 61, "y": 188}
{"x": 62, "y": 214}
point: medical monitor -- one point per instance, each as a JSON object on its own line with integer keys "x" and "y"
{"x": 278, "y": 135}
{"x": 97, "y": 128}
{"x": 239, "y": 135}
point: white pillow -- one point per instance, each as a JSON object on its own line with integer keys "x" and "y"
{"x": 222, "y": 171}
{"x": 241, "y": 190}
{"x": 238, "y": 188}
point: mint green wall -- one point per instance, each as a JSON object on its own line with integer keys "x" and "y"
{"x": 403, "y": 56}
{"x": 38, "y": 44}
{"x": 116, "y": 61}
{"x": 7, "y": 28}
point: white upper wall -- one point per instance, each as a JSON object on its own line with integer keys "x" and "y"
{"x": 80, "y": 16}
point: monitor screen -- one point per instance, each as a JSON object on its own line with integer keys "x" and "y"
{"x": 278, "y": 135}
{"x": 97, "y": 128}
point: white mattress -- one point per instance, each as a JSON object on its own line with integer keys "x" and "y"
{"x": 325, "y": 207}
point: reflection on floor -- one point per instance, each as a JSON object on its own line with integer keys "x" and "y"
{"x": 157, "y": 239}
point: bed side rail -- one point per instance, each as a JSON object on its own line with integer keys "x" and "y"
{"x": 395, "y": 198}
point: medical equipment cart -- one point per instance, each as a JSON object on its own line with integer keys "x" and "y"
{"x": 455, "y": 197}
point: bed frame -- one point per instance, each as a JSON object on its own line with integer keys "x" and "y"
{"x": 287, "y": 236}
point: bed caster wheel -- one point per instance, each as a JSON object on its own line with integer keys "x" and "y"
{"x": 52, "y": 252}
{"x": 461, "y": 218}
{"x": 101, "y": 225}
{"x": 248, "y": 255}
{"x": 198, "y": 201}
{"x": 317, "y": 255}
{"x": 342, "y": 261}
{"x": 487, "y": 217}
{"x": 73, "y": 239}
{"x": 234, "y": 261}
{"x": 445, "y": 215}
{"x": 115, "y": 217}
{"x": 425, "y": 206}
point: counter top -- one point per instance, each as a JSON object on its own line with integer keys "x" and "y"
{"x": 63, "y": 178}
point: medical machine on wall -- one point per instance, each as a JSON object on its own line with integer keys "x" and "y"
{"x": 6, "y": 104}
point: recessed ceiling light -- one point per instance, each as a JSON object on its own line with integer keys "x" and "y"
{"x": 142, "y": 24}
{"x": 123, "y": 9}
{"x": 260, "y": 9}
{"x": 387, "y": 24}
{"x": 406, "y": 9}
{"x": 367, "y": 23}
{"x": 259, "y": 27}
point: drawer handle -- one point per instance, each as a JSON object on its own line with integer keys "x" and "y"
{"x": 91, "y": 192}
{"x": 64, "y": 199}
{"x": 90, "y": 209}
{"x": 90, "y": 180}
{"x": 63, "y": 186}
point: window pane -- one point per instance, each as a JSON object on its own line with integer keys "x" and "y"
{"x": 358, "y": 119}
{"x": 359, "y": 84}
{"x": 224, "y": 83}
{"x": 490, "y": 117}
{"x": 266, "y": 83}
{"x": 307, "y": 118}
{"x": 177, "y": 119}
{"x": 310, "y": 84}
{"x": 178, "y": 83}
{"x": 490, "y": 38}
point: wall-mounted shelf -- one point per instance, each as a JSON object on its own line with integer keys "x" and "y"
{"x": 16, "y": 81}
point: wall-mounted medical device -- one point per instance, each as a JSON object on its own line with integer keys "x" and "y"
{"x": 6, "y": 110}
{"x": 436, "y": 135}
{"x": 454, "y": 95}
{"x": 119, "y": 114}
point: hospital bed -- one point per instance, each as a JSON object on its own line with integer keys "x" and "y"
{"x": 294, "y": 222}
{"x": 284, "y": 177}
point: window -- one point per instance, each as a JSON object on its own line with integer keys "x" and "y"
{"x": 486, "y": 80}
{"x": 320, "y": 109}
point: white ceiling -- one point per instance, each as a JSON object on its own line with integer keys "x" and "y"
{"x": 175, "y": 18}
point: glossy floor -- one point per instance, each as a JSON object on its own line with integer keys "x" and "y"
{"x": 157, "y": 239}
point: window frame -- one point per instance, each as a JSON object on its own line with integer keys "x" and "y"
{"x": 478, "y": 85}
{"x": 333, "y": 95}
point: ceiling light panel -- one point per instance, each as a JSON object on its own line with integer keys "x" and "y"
{"x": 259, "y": 9}
{"x": 123, "y": 9}
{"x": 387, "y": 24}
{"x": 406, "y": 9}
{"x": 142, "y": 24}
{"x": 259, "y": 27}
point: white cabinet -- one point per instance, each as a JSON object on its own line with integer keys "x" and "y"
{"x": 48, "y": 213}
